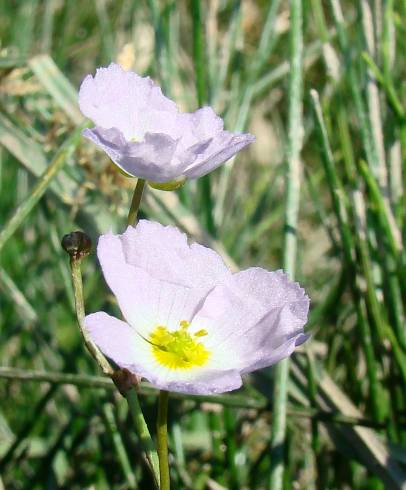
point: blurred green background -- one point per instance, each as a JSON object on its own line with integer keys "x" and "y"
{"x": 346, "y": 410}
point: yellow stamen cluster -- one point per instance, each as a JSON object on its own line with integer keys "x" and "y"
{"x": 178, "y": 349}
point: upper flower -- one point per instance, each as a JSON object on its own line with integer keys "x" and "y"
{"x": 191, "y": 325}
{"x": 143, "y": 132}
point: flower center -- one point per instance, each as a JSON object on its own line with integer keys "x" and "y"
{"x": 178, "y": 349}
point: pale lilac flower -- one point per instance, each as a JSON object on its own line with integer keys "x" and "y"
{"x": 191, "y": 325}
{"x": 143, "y": 132}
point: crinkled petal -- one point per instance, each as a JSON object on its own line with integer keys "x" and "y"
{"x": 163, "y": 251}
{"x": 123, "y": 100}
{"x": 152, "y": 159}
{"x": 119, "y": 342}
{"x": 110, "y": 140}
{"x": 201, "y": 125}
{"x": 275, "y": 347}
{"x": 256, "y": 315}
{"x": 221, "y": 148}
{"x": 203, "y": 381}
{"x": 139, "y": 159}
{"x": 145, "y": 301}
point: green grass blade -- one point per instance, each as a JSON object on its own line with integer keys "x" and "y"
{"x": 24, "y": 308}
{"x": 57, "y": 85}
{"x": 41, "y": 186}
{"x": 121, "y": 452}
{"x": 293, "y": 176}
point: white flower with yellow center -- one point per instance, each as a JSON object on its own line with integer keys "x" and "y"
{"x": 191, "y": 325}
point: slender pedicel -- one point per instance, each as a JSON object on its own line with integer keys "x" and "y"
{"x": 162, "y": 440}
{"x": 78, "y": 245}
{"x": 135, "y": 203}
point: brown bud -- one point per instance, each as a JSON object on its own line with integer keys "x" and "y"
{"x": 125, "y": 380}
{"x": 77, "y": 244}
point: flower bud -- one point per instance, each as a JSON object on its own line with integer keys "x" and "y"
{"x": 77, "y": 244}
{"x": 125, "y": 380}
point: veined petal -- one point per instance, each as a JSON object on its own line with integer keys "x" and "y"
{"x": 224, "y": 146}
{"x": 138, "y": 159}
{"x": 115, "y": 338}
{"x": 269, "y": 356}
{"x": 253, "y": 314}
{"x": 145, "y": 301}
{"x": 151, "y": 158}
{"x": 203, "y": 381}
{"x": 163, "y": 251}
{"x": 110, "y": 140}
{"x": 201, "y": 125}
{"x": 121, "y": 99}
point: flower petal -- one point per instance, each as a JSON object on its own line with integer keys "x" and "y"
{"x": 199, "y": 381}
{"x": 144, "y": 300}
{"x": 222, "y": 148}
{"x": 115, "y": 338}
{"x": 121, "y": 99}
{"x": 110, "y": 140}
{"x": 198, "y": 126}
{"x": 139, "y": 159}
{"x": 164, "y": 253}
{"x": 255, "y": 314}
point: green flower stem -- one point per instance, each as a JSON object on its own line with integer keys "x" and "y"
{"x": 162, "y": 439}
{"x": 80, "y": 315}
{"x": 135, "y": 203}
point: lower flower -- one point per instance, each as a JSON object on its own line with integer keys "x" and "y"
{"x": 191, "y": 325}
